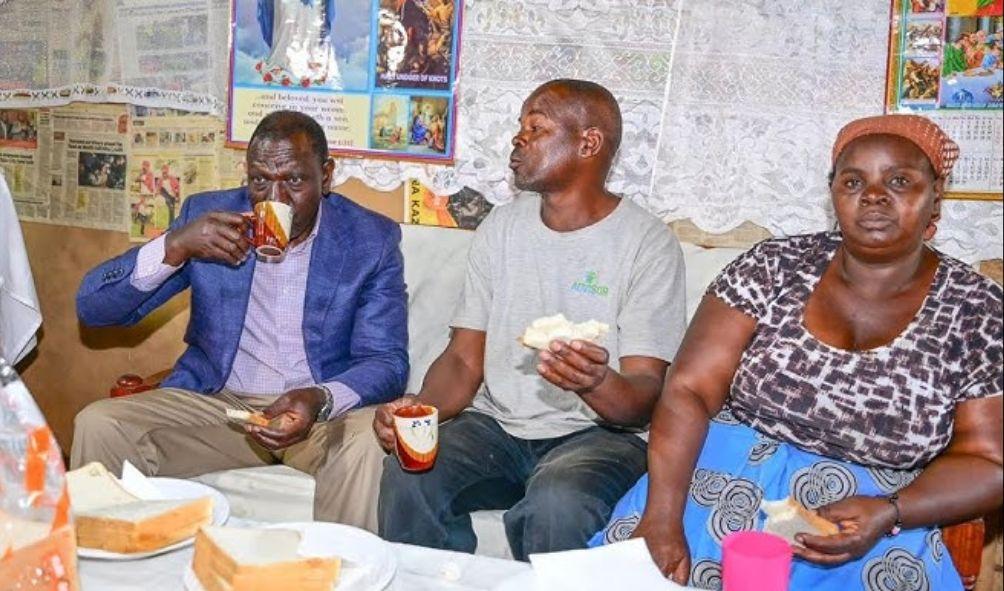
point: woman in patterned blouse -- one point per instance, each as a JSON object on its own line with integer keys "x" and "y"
{"x": 858, "y": 372}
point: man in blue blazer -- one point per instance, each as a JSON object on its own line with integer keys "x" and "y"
{"x": 305, "y": 340}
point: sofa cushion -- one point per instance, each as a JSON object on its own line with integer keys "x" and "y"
{"x": 703, "y": 266}
{"x": 435, "y": 260}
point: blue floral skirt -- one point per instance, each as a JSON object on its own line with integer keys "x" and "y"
{"x": 739, "y": 467}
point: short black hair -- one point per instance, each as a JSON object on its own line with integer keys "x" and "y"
{"x": 286, "y": 124}
{"x": 598, "y": 108}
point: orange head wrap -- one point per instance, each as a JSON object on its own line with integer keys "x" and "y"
{"x": 921, "y": 131}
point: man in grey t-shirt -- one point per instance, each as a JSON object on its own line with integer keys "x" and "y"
{"x": 552, "y": 436}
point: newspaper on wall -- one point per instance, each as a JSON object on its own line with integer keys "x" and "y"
{"x": 231, "y": 166}
{"x": 21, "y": 173}
{"x": 89, "y": 162}
{"x": 172, "y": 157}
{"x": 40, "y": 52}
{"x": 166, "y": 44}
{"x": 20, "y": 131}
{"x": 24, "y": 47}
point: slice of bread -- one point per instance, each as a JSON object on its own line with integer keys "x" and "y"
{"x": 788, "y": 517}
{"x": 108, "y": 517}
{"x": 254, "y": 559}
{"x": 255, "y": 417}
{"x": 244, "y": 416}
{"x": 142, "y": 526}
{"x": 93, "y": 486}
{"x": 543, "y": 330}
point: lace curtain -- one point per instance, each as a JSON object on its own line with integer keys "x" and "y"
{"x": 730, "y": 107}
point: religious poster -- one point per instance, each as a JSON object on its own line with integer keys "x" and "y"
{"x": 945, "y": 63}
{"x": 378, "y": 75}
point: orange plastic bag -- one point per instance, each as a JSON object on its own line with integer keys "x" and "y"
{"x": 37, "y": 546}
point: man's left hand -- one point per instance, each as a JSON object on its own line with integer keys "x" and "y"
{"x": 290, "y": 417}
{"x": 862, "y": 520}
{"x": 578, "y": 366}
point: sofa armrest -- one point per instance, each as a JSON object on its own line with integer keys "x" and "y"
{"x": 131, "y": 383}
{"x": 965, "y": 544}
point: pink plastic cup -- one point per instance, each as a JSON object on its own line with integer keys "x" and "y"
{"x": 755, "y": 561}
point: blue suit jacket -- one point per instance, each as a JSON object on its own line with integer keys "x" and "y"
{"x": 355, "y": 326}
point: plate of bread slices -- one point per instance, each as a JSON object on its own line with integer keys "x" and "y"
{"x": 135, "y": 516}
{"x": 315, "y": 556}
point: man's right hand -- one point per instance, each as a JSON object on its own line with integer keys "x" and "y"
{"x": 383, "y": 421}
{"x": 667, "y": 545}
{"x": 218, "y": 236}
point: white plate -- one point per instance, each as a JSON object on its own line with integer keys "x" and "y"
{"x": 172, "y": 488}
{"x": 368, "y": 564}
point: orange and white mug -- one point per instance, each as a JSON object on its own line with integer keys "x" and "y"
{"x": 272, "y": 223}
{"x": 416, "y": 429}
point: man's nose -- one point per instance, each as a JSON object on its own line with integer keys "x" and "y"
{"x": 279, "y": 192}
{"x": 518, "y": 140}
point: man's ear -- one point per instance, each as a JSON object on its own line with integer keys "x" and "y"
{"x": 592, "y": 142}
{"x": 328, "y": 170}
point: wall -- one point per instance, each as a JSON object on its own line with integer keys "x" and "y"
{"x": 74, "y": 365}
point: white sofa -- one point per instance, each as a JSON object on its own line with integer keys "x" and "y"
{"x": 435, "y": 260}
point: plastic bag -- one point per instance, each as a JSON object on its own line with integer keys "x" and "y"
{"x": 37, "y": 543}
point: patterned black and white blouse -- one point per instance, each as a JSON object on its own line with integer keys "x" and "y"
{"x": 892, "y": 406}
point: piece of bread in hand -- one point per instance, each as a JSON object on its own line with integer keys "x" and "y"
{"x": 543, "y": 330}
{"x": 245, "y": 416}
{"x": 108, "y": 517}
{"x": 788, "y": 517}
{"x": 257, "y": 559}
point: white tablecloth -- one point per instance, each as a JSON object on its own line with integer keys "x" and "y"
{"x": 418, "y": 569}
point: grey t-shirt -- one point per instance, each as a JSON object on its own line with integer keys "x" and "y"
{"x": 625, "y": 270}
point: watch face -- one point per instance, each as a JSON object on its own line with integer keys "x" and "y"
{"x": 328, "y": 403}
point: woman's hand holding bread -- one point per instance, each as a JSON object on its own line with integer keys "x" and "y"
{"x": 862, "y": 521}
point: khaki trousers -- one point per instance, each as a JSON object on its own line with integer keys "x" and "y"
{"x": 178, "y": 433}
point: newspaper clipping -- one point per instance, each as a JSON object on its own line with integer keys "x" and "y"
{"x": 173, "y": 156}
{"x": 19, "y": 160}
{"x": 166, "y": 44}
{"x": 88, "y": 169}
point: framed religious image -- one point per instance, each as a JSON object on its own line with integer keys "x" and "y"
{"x": 945, "y": 63}
{"x": 379, "y": 75}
